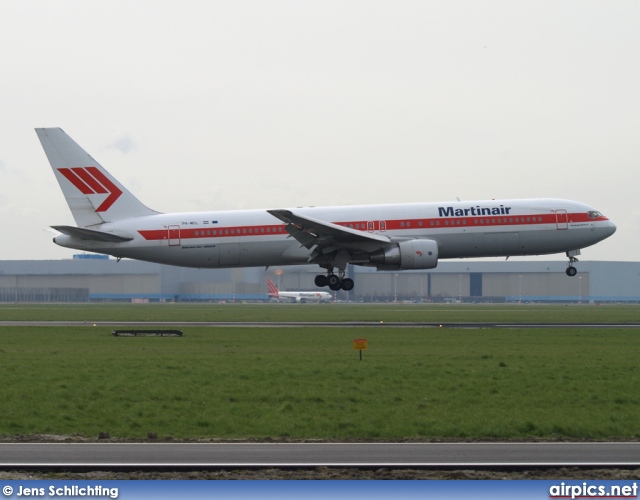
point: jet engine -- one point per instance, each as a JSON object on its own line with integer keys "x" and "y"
{"x": 411, "y": 254}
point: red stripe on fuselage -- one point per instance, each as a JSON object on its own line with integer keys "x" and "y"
{"x": 391, "y": 225}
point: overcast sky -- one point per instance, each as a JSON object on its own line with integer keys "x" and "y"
{"x": 204, "y": 105}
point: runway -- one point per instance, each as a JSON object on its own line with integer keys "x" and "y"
{"x": 318, "y": 324}
{"x": 193, "y": 455}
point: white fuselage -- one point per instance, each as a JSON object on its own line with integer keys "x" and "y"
{"x": 304, "y": 296}
{"x": 256, "y": 238}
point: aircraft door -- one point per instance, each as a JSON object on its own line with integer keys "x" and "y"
{"x": 562, "y": 220}
{"x": 173, "y": 236}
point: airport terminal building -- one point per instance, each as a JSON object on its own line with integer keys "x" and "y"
{"x": 92, "y": 278}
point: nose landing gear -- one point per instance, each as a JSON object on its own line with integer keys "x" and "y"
{"x": 571, "y": 270}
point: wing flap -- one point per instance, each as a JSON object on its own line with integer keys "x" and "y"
{"x": 310, "y": 231}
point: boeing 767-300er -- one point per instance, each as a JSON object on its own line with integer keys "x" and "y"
{"x": 110, "y": 220}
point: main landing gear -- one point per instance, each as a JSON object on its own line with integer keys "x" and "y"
{"x": 334, "y": 282}
{"x": 571, "y": 270}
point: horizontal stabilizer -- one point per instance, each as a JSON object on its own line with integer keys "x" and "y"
{"x": 90, "y": 234}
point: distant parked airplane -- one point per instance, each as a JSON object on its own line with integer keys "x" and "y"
{"x": 389, "y": 237}
{"x": 301, "y": 297}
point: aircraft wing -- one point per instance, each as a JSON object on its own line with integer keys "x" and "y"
{"x": 328, "y": 236}
{"x": 90, "y": 234}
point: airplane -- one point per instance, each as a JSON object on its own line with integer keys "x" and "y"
{"x": 110, "y": 220}
{"x": 300, "y": 297}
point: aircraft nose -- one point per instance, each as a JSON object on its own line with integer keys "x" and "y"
{"x": 610, "y": 228}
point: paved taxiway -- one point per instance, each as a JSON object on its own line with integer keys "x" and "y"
{"x": 318, "y": 454}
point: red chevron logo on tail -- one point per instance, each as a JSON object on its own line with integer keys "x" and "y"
{"x": 89, "y": 180}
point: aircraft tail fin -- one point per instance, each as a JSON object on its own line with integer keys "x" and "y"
{"x": 93, "y": 195}
{"x": 273, "y": 290}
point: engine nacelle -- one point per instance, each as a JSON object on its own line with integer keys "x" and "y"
{"x": 411, "y": 254}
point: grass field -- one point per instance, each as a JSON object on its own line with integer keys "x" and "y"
{"x": 308, "y": 383}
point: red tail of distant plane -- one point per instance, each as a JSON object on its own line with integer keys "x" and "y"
{"x": 273, "y": 290}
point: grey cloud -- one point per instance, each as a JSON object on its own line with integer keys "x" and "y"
{"x": 125, "y": 144}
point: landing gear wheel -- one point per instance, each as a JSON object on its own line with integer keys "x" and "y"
{"x": 347, "y": 284}
{"x": 572, "y": 271}
{"x": 321, "y": 280}
{"x": 335, "y": 283}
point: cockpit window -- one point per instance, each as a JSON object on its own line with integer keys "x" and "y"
{"x": 594, "y": 214}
